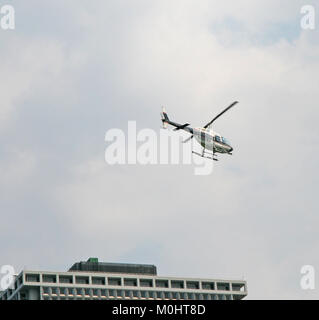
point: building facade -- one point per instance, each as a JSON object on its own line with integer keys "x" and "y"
{"x": 93, "y": 280}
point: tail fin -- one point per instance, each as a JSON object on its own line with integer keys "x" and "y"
{"x": 165, "y": 118}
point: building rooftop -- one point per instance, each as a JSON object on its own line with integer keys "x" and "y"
{"x": 92, "y": 279}
{"x": 93, "y": 265}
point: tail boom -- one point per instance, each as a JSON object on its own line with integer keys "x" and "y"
{"x": 166, "y": 121}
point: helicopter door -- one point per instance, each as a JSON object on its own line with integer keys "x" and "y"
{"x": 203, "y": 137}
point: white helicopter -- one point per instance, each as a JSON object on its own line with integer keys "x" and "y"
{"x": 206, "y": 137}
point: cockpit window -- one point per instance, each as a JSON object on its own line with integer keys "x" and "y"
{"x": 217, "y": 138}
{"x": 225, "y": 141}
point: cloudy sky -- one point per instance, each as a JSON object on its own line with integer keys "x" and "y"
{"x": 71, "y": 70}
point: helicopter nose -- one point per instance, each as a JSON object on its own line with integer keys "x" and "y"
{"x": 231, "y": 149}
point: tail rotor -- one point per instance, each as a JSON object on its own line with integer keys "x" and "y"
{"x": 164, "y": 117}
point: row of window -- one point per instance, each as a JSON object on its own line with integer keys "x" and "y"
{"x": 80, "y": 293}
{"x": 134, "y": 282}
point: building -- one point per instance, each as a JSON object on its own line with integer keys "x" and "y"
{"x": 103, "y": 281}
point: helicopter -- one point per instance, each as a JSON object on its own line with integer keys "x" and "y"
{"x": 211, "y": 141}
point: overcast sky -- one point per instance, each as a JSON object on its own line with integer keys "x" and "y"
{"x": 71, "y": 70}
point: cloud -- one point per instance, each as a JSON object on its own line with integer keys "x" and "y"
{"x": 87, "y": 68}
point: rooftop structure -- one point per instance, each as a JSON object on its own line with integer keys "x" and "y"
{"x": 101, "y": 281}
{"x": 93, "y": 265}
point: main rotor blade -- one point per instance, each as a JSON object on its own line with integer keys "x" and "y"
{"x": 209, "y": 123}
{"x": 188, "y": 139}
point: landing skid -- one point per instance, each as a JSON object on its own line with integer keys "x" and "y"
{"x": 206, "y": 155}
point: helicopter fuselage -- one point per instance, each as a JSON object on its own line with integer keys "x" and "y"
{"x": 212, "y": 141}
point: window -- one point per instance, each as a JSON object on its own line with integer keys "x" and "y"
{"x": 143, "y": 294}
{"x": 161, "y": 283}
{"x": 70, "y": 291}
{"x": 62, "y": 291}
{"x": 119, "y": 294}
{"x": 79, "y": 291}
{"x": 190, "y": 296}
{"x": 65, "y": 279}
{"x": 96, "y": 292}
{"x": 192, "y": 285}
{"x": 54, "y": 290}
{"x": 225, "y": 141}
{"x": 183, "y": 295}
{"x": 175, "y": 295}
{"x": 208, "y": 285}
{"x": 146, "y": 282}
{"x": 49, "y": 278}
{"x": 151, "y": 294}
{"x": 111, "y": 293}
{"x": 82, "y": 280}
{"x": 32, "y": 277}
{"x": 98, "y": 280}
{"x": 177, "y": 284}
{"x": 103, "y": 293}
{"x": 114, "y": 281}
{"x": 217, "y": 138}
{"x": 167, "y": 295}
{"x": 46, "y": 290}
{"x": 223, "y": 286}
{"x": 135, "y": 294}
{"x": 238, "y": 287}
{"x": 159, "y": 295}
{"x": 130, "y": 282}
{"x": 127, "y": 294}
